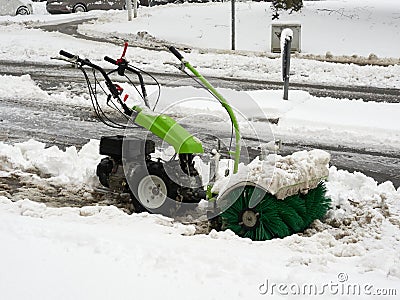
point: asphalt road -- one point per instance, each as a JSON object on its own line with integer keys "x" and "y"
{"x": 56, "y": 76}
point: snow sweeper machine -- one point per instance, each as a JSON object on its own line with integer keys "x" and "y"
{"x": 271, "y": 197}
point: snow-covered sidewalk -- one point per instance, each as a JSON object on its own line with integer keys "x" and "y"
{"x": 338, "y": 27}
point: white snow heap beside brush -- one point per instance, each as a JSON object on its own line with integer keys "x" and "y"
{"x": 281, "y": 176}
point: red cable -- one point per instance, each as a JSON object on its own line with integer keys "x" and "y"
{"x": 124, "y": 52}
{"x": 122, "y": 58}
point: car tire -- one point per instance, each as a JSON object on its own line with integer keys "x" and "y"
{"x": 137, "y": 6}
{"x": 23, "y": 10}
{"x": 79, "y": 8}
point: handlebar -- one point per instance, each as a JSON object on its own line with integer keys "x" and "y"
{"x": 208, "y": 86}
{"x": 109, "y": 83}
{"x": 110, "y": 60}
{"x": 176, "y": 53}
{"x": 66, "y": 54}
{"x": 85, "y": 62}
{"x": 122, "y": 66}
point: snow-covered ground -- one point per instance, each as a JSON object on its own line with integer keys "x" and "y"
{"x": 96, "y": 252}
{"x": 102, "y": 253}
{"x": 379, "y": 18}
{"x": 338, "y": 27}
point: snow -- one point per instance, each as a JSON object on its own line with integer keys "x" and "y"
{"x": 69, "y": 167}
{"x": 11, "y": 85}
{"x": 99, "y": 252}
{"x": 281, "y": 176}
{"x": 322, "y": 21}
{"x": 22, "y": 37}
{"x": 286, "y": 35}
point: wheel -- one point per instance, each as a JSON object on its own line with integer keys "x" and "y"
{"x": 23, "y": 10}
{"x": 153, "y": 191}
{"x": 79, "y": 8}
{"x": 133, "y": 5}
{"x": 103, "y": 171}
{"x": 145, "y": 2}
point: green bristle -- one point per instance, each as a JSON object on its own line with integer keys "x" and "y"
{"x": 290, "y": 216}
{"x": 316, "y": 203}
{"x": 272, "y": 219}
{"x": 298, "y": 204}
{"x": 277, "y": 218}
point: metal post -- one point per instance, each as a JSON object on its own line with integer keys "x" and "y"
{"x": 135, "y": 4}
{"x": 128, "y": 4}
{"x": 233, "y": 23}
{"x": 286, "y": 67}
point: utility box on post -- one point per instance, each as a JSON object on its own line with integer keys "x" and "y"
{"x": 277, "y": 28}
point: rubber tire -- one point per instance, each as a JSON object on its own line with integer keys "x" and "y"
{"x": 23, "y": 11}
{"x": 79, "y": 8}
{"x": 157, "y": 169}
{"x": 103, "y": 171}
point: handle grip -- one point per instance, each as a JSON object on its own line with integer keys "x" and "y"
{"x": 176, "y": 53}
{"x": 110, "y": 60}
{"x": 66, "y": 54}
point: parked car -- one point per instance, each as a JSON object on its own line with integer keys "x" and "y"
{"x": 72, "y": 6}
{"x": 15, "y": 7}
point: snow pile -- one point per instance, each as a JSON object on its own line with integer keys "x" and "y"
{"x": 67, "y": 167}
{"x": 20, "y": 87}
{"x": 357, "y": 194}
{"x": 282, "y": 176}
{"x": 364, "y": 222}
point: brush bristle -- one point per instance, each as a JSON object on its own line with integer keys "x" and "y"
{"x": 277, "y": 218}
